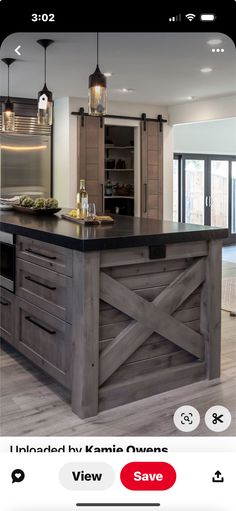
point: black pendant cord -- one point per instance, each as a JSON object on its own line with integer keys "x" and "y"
{"x": 8, "y": 62}
{"x": 8, "y": 81}
{"x": 45, "y": 66}
{"x": 45, "y": 43}
{"x": 97, "y": 50}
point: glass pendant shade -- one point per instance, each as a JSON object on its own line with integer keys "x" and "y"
{"x": 97, "y": 93}
{"x": 45, "y": 99}
{"x": 8, "y": 117}
{"x": 45, "y": 107}
{"x": 8, "y": 114}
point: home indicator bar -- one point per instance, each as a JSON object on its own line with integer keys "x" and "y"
{"x": 107, "y": 504}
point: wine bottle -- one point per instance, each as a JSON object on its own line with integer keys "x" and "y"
{"x": 82, "y": 200}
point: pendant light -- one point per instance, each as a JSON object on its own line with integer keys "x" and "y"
{"x": 8, "y": 114}
{"x": 45, "y": 102}
{"x": 97, "y": 90}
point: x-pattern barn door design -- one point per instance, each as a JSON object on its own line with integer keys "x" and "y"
{"x": 143, "y": 327}
{"x": 148, "y": 317}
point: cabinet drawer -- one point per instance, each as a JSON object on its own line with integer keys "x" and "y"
{"x": 45, "y": 340}
{"x": 45, "y": 288}
{"x": 7, "y": 315}
{"x": 44, "y": 254}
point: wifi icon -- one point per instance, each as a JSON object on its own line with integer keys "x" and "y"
{"x": 190, "y": 17}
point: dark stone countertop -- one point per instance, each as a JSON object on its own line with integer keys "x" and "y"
{"x": 125, "y": 232}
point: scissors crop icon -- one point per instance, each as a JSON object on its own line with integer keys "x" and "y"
{"x": 217, "y": 418}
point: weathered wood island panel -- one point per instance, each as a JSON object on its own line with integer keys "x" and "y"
{"x": 147, "y": 322}
{"x": 136, "y": 312}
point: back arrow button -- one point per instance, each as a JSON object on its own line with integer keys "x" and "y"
{"x": 17, "y": 50}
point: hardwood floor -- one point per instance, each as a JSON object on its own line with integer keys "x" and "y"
{"x": 32, "y": 404}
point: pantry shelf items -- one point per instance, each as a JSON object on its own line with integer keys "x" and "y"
{"x": 119, "y": 169}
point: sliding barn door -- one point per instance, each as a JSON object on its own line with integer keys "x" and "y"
{"x": 91, "y": 158}
{"x": 152, "y": 170}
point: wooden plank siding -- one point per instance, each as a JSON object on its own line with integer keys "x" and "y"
{"x": 91, "y": 158}
{"x": 152, "y": 315}
{"x": 152, "y": 170}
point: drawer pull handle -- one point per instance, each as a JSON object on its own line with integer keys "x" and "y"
{"x": 51, "y": 332}
{"x": 39, "y": 254}
{"x": 145, "y": 197}
{"x": 3, "y": 302}
{"x": 52, "y": 288}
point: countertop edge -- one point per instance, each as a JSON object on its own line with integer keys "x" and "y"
{"x": 115, "y": 242}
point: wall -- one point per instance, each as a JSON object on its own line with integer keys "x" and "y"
{"x": 214, "y": 137}
{"x": 61, "y": 153}
{"x": 197, "y": 111}
{"x": 168, "y": 173}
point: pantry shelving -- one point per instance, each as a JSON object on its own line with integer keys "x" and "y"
{"x": 119, "y": 170}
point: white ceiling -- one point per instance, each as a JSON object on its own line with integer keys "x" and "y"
{"x": 163, "y": 68}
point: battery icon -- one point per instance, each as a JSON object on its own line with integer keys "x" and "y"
{"x": 208, "y": 17}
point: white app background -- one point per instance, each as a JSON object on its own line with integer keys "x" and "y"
{"x": 49, "y": 485}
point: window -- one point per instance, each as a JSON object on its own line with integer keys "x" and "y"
{"x": 194, "y": 191}
{"x": 204, "y": 190}
{"x": 233, "y": 198}
{"x": 176, "y": 190}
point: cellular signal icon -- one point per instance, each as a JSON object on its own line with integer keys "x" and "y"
{"x": 175, "y": 18}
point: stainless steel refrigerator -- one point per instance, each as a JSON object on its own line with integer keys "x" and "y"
{"x": 25, "y": 159}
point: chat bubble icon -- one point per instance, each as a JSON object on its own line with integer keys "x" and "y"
{"x": 17, "y": 475}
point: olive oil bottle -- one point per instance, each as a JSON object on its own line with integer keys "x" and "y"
{"x": 82, "y": 200}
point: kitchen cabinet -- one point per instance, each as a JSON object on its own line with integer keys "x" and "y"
{"x": 44, "y": 339}
{"x": 145, "y": 303}
{"x": 47, "y": 289}
{"x": 43, "y": 306}
{"x": 44, "y": 254}
{"x": 7, "y": 315}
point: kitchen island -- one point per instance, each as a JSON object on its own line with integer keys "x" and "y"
{"x": 115, "y": 313}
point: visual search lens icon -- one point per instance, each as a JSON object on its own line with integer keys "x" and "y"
{"x": 186, "y": 418}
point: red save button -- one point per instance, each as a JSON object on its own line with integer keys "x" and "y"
{"x": 148, "y": 476}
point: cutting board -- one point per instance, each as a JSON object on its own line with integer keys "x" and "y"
{"x": 86, "y": 223}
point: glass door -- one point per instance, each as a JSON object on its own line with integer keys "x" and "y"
{"x": 176, "y": 190}
{"x": 204, "y": 190}
{"x": 219, "y": 195}
{"x": 233, "y": 200}
{"x": 194, "y": 191}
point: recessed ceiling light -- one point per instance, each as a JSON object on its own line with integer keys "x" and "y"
{"x": 108, "y": 74}
{"x": 214, "y": 42}
{"x": 191, "y": 98}
{"x": 127, "y": 90}
{"x": 124, "y": 90}
{"x": 206, "y": 69}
